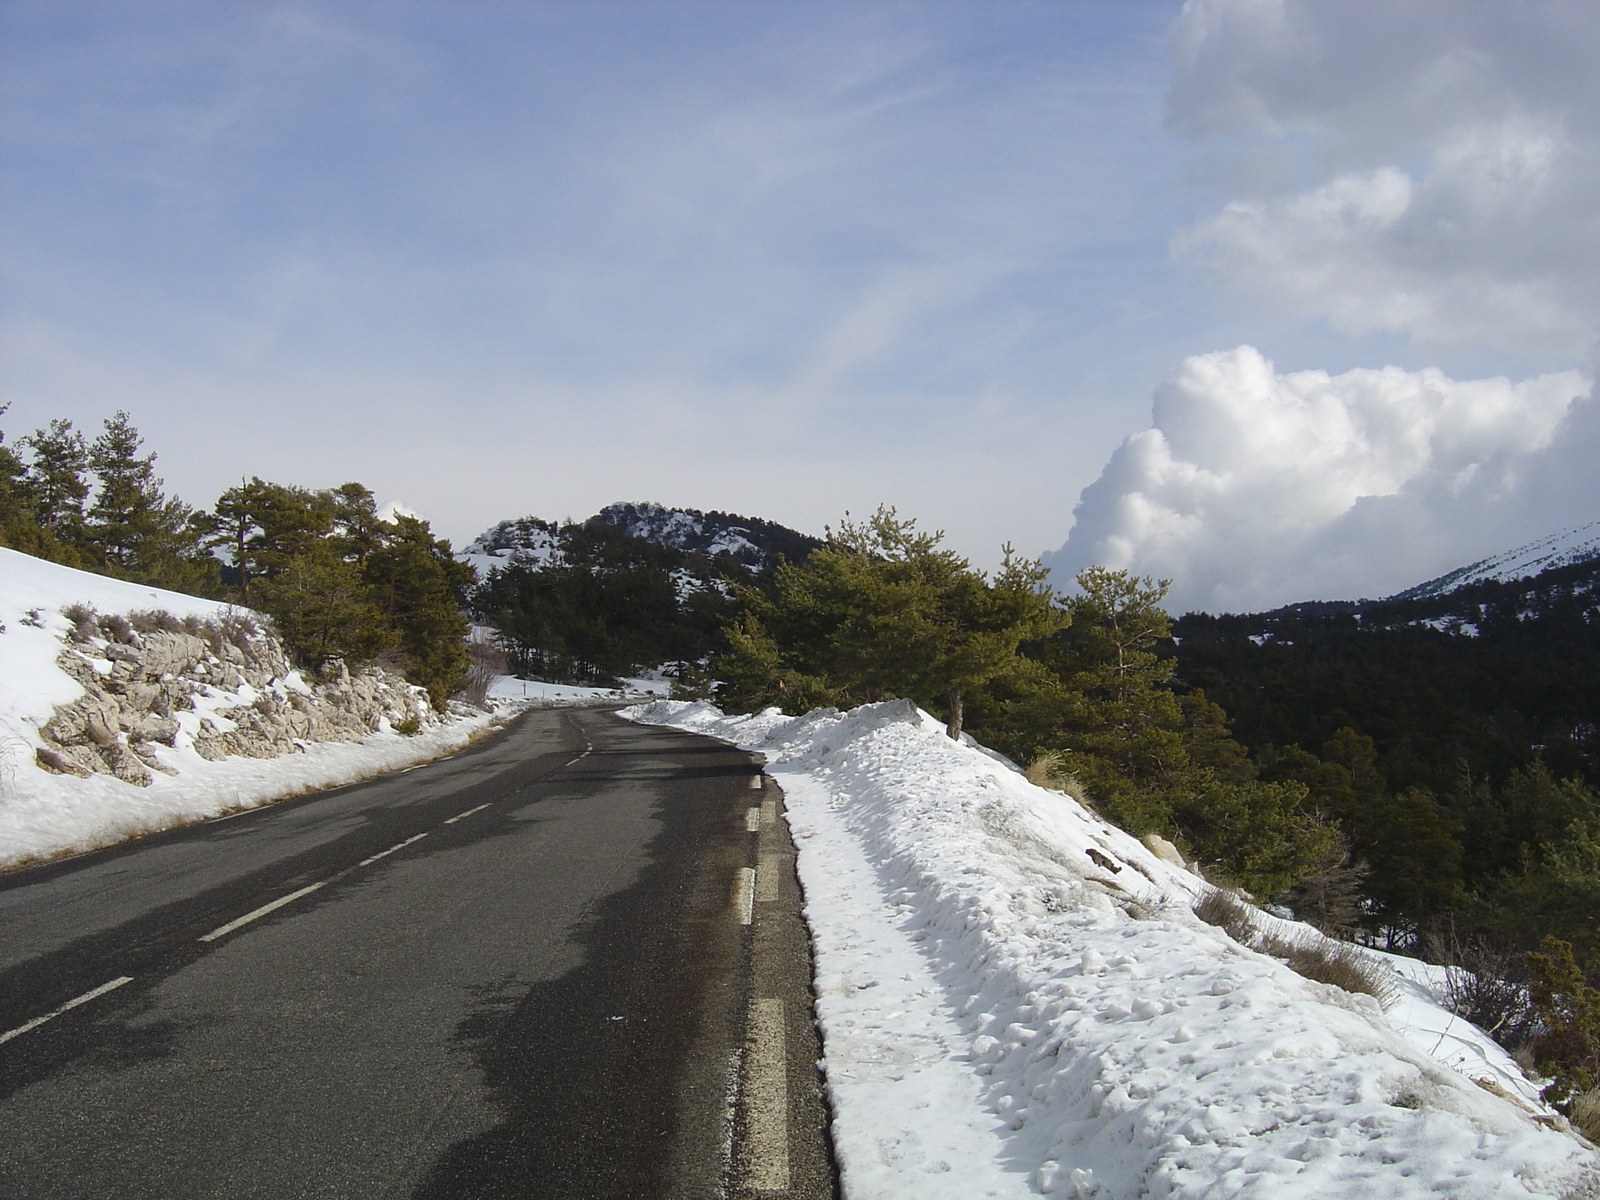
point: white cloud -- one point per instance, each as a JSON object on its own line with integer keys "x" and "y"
{"x": 1436, "y": 164}
{"x": 1253, "y": 488}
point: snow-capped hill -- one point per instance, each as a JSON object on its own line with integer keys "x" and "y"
{"x": 751, "y": 541}
{"x": 1564, "y": 549}
{"x": 527, "y": 541}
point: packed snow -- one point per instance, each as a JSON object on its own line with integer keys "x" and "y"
{"x": 44, "y": 814}
{"x": 1562, "y": 549}
{"x": 1006, "y": 1015}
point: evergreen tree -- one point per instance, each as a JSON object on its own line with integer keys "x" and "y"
{"x": 133, "y": 530}
{"x": 58, "y": 481}
{"x": 881, "y": 610}
{"x": 420, "y": 587}
{"x": 324, "y": 610}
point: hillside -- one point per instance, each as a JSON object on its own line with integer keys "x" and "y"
{"x": 1567, "y": 548}
{"x": 126, "y": 709}
{"x": 632, "y": 587}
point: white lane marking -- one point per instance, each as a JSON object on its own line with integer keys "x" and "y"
{"x": 769, "y": 811}
{"x": 744, "y": 895}
{"x": 768, "y": 867}
{"x": 579, "y": 759}
{"x": 755, "y": 783}
{"x": 766, "y": 1098}
{"x": 468, "y": 813}
{"x": 752, "y": 820}
{"x": 67, "y": 1007}
{"x": 367, "y": 862}
{"x": 222, "y": 930}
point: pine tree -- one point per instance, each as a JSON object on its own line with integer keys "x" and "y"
{"x": 133, "y": 530}
{"x": 58, "y": 480}
{"x": 420, "y": 588}
{"x": 324, "y": 610}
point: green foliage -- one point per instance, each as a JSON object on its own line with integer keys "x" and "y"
{"x": 421, "y": 587}
{"x": 324, "y": 610}
{"x": 881, "y": 610}
{"x": 1568, "y": 1050}
{"x": 605, "y": 602}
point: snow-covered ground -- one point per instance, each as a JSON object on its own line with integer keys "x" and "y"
{"x": 1004, "y": 1016}
{"x": 44, "y": 814}
{"x": 509, "y": 689}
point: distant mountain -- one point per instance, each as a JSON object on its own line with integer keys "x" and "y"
{"x": 634, "y": 586}
{"x": 1563, "y": 549}
{"x": 750, "y": 540}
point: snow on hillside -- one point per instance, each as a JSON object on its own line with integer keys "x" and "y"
{"x": 1558, "y": 550}
{"x": 526, "y": 542}
{"x": 681, "y": 529}
{"x": 1003, "y": 1016}
{"x": 43, "y": 814}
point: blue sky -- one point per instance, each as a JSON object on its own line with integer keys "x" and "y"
{"x": 780, "y": 258}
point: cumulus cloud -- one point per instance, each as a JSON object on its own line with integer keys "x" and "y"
{"x": 1421, "y": 167}
{"x": 1254, "y": 488}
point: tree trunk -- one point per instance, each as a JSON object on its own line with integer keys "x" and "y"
{"x": 957, "y": 714}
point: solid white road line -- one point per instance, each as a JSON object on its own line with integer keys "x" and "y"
{"x": 468, "y": 813}
{"x": 367, "y": 862}
{"x": 768, "y": 867}
{"x": 766, "y": 1098}
{"x": 67, "y": 1007}
{"x": 752, "y": 820}
{"x": 223, "y": 930}
{"x": 755, "y": 783}
{"x": 744, "y": 895}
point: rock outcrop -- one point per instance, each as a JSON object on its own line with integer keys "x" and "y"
{"x": 218, "y": 689}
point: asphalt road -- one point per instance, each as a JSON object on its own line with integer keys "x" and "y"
{"x": 536, "y": 969}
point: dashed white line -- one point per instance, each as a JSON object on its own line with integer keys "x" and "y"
{"x": 744, "y": 895}
{"x": 367, "y": 862}
{"x": 67, "y": 1007}
{"x": 223, "y": 930}
{"x": 766, "y": 1099}
{"x": 468, "y": 813}
{"x": 768, "y": 867}
{"x": 752, "y": 820}
{"x": 755, "y": 783}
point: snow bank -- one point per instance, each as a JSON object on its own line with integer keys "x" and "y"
{"x": 44, "y": 814}
{"x": 1003, "y": 1015}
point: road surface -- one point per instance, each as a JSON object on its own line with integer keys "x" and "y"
{"x": 566, "y": 962}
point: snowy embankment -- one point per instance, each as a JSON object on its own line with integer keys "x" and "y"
{"x": 1005, "y": 1014}
{"x": 43, "y": 813}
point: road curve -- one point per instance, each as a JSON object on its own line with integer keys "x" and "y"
{"x": 522, "y": 971}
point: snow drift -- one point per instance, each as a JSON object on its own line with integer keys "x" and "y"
{"x": 1016, "y": 999}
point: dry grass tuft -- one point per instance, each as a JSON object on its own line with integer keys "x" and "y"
{"x": 1585, "y": 1114}
{"x": 1339, "y": 963}
{"x": 1322, "y": 959}
{"x": 1228, "y": 913}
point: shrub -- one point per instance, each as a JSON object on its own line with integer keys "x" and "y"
{"x": 85, "y": 621}
{"x": 408, "y": 725}
{"x": 1568, "y": 1048}
{"x": 1339, "y": 963}
{"x": 1227, "y": 912}
{"x": 116, "y": 628}
{"x": 154, "y": 620}
{"x": 1586, "y": 1114}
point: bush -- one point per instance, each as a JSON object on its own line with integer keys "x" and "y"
{"x": 1568, "y": 1048}
{"x": 1227, "y": 912}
